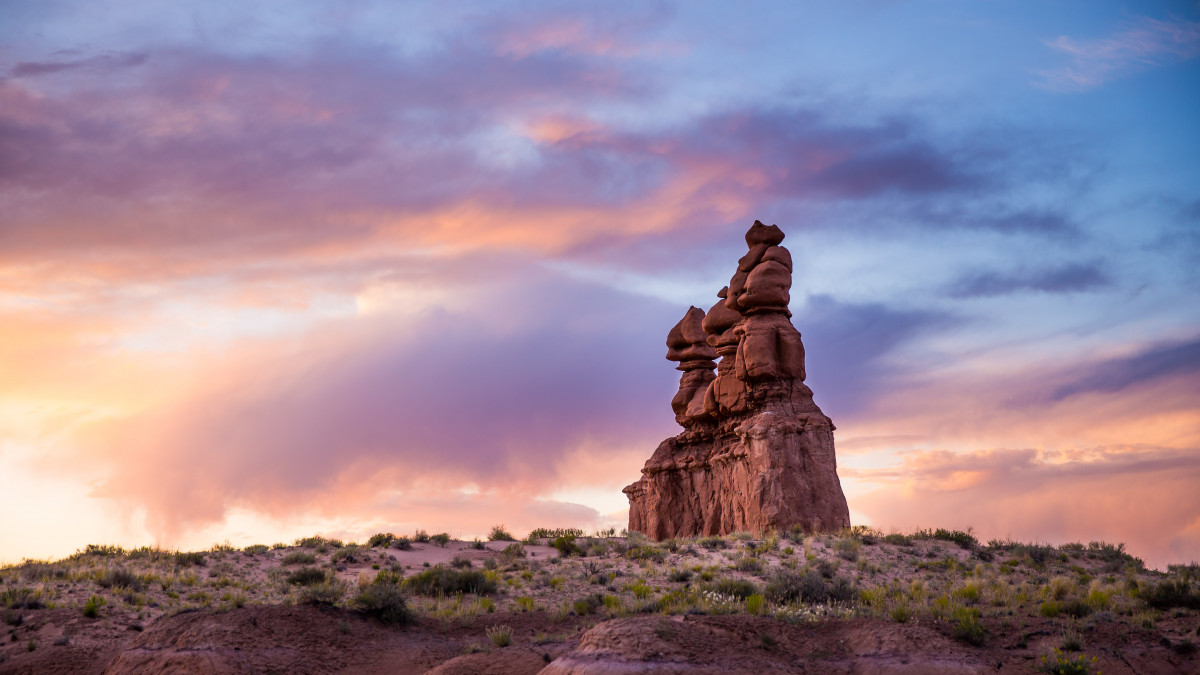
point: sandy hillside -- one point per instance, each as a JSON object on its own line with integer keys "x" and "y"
{"x": 855, "y": 602}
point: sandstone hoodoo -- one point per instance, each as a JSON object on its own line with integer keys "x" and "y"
{"x": 756, "y": 452}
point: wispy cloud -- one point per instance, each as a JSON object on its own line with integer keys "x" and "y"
{"x": 1073, "y": 278}
{"x": 1144, "y": 43}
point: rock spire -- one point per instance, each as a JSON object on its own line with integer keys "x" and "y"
{"x": 756, "y": 452}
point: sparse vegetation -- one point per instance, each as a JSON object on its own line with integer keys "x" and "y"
{"x": 498, "y": 533}
{"x": 934, "y": 577}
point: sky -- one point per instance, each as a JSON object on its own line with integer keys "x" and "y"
{"x": 274, "y": 269}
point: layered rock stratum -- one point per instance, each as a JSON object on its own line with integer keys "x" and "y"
{"x": 756, "y": 453}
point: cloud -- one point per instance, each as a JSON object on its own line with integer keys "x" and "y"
{"x": 1143, "y": 496}
{"x": 110, "y": 61}
{"x": 1072, "y": 278}
{"x": 501, "y": 395}
{"x": 850, "y": 344}
{"x": 1144, "y": 43}
{"x": 1149, "y": 364}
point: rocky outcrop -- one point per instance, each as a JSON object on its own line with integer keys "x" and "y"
{"x": 756, "y": 452}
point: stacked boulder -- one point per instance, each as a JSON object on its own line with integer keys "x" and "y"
{"x": 756, "y": 453}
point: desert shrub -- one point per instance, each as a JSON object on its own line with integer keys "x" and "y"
{"x": 298, "y": 558}
{"x": 442, "y": 580}
{"x": 847, "y": 549}
{"x": 307, "y": 576}
{"x": 555, "y": 533}
{"x": 754, "y": 604}
{"x": 826, "y": 568}
{"x": 383, "y": 600}
{"x": 327, "y": 592}
{"x": 1075, "y": 607}
{"x": 119, "y": 577}
{"x": 738, "y": 588}
{"x": 36, "y": 570}
{"x": 1171, "y": 593}
{"x": 1038, "y": 554}
{"x": 967, "y": 626}
{"x": 810, "y": 587}
{"x": 421, "y": 537}
{"x": 713, "y": 543}
{"x": 104, "y": 550}
{"x": 346, "y": 553}
{"x": 679, "y": 576}
{"x": 477, "y": 544}
{"x": 646, "y": 552}
{"x": 461, "y": 562}
{"x": 588, "y": 604}
{"x": 21, "y": 598}
{"x": 383, "y": 539}
{"x": 255, "y": 549}
{"x": 500, "y": 635}
{"x": 512, "y": 552}
{"x": 441, "y": 539}
{"x": 901, "y": 612}
{"x": 189, "y": 558}
{"x": 1113, "y": 555}
{"x": 963, "y": 539}
{"x": 498, "y": 533}
{"x": 748, "y": 564}
{"x": 897, "y": 539}
{"x": 91, "y": 609}
{"x": 566, "y": 545}
{"x": 1060, "y": 664}
{"x": 402, "y": 543}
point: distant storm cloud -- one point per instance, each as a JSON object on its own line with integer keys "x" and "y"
{"x": 1073, "y": 278}
{"x": 1149, "y": 364}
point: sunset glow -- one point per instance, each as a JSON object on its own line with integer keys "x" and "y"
{"x": 345, "y": 268}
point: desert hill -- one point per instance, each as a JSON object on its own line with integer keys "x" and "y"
{"x": 562, "y": 602}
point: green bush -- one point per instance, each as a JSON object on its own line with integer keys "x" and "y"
{"x": 189, "y": 559}
{"x": 1170, "y": 594}
{"x": 967, "y": 626}
{"x": 91, "y": 609}
{"x": 255, "y": 549}
{"x": 119, "y": 577}
{"x": 327, "y": 592}
{"x": 738, "y": 588}
{"x": 347, "y": 553}
{"x": 679, "y": 576}
{"x": 500, "y": 635}
{"x": 713, "y": 543}
{"x": 566, "y": 545}
{"x": 441, "y": 539}
{"x": 298, "y": 558}
{"x": 1062, "y": 665}
{"x": 383, "y": 539}
{"x": 810, "y": 587}
{"x": 421, "y": 536}
{"x": 383, "y": 600}
{"x": 547, "y": 533}
{"x": 307, "y": 576}
{"x": 441, "y": 580}
{"x": 498, "y": 533}
{"x": 402, "y": 543}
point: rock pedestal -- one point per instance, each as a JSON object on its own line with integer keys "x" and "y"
{"x": 756, "y": 452}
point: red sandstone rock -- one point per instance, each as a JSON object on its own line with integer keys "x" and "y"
{"x": 757, "y": 453}
{"x": 688, "y": 344}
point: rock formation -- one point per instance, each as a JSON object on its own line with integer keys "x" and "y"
{"x": 756, "y": 452}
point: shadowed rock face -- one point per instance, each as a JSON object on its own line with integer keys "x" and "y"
{"x": 756, "y": 452}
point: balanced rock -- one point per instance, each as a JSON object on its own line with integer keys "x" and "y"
{"x": 756, "y": 452}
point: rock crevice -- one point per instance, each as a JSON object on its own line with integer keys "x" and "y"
{"x": 756, "y": 453}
